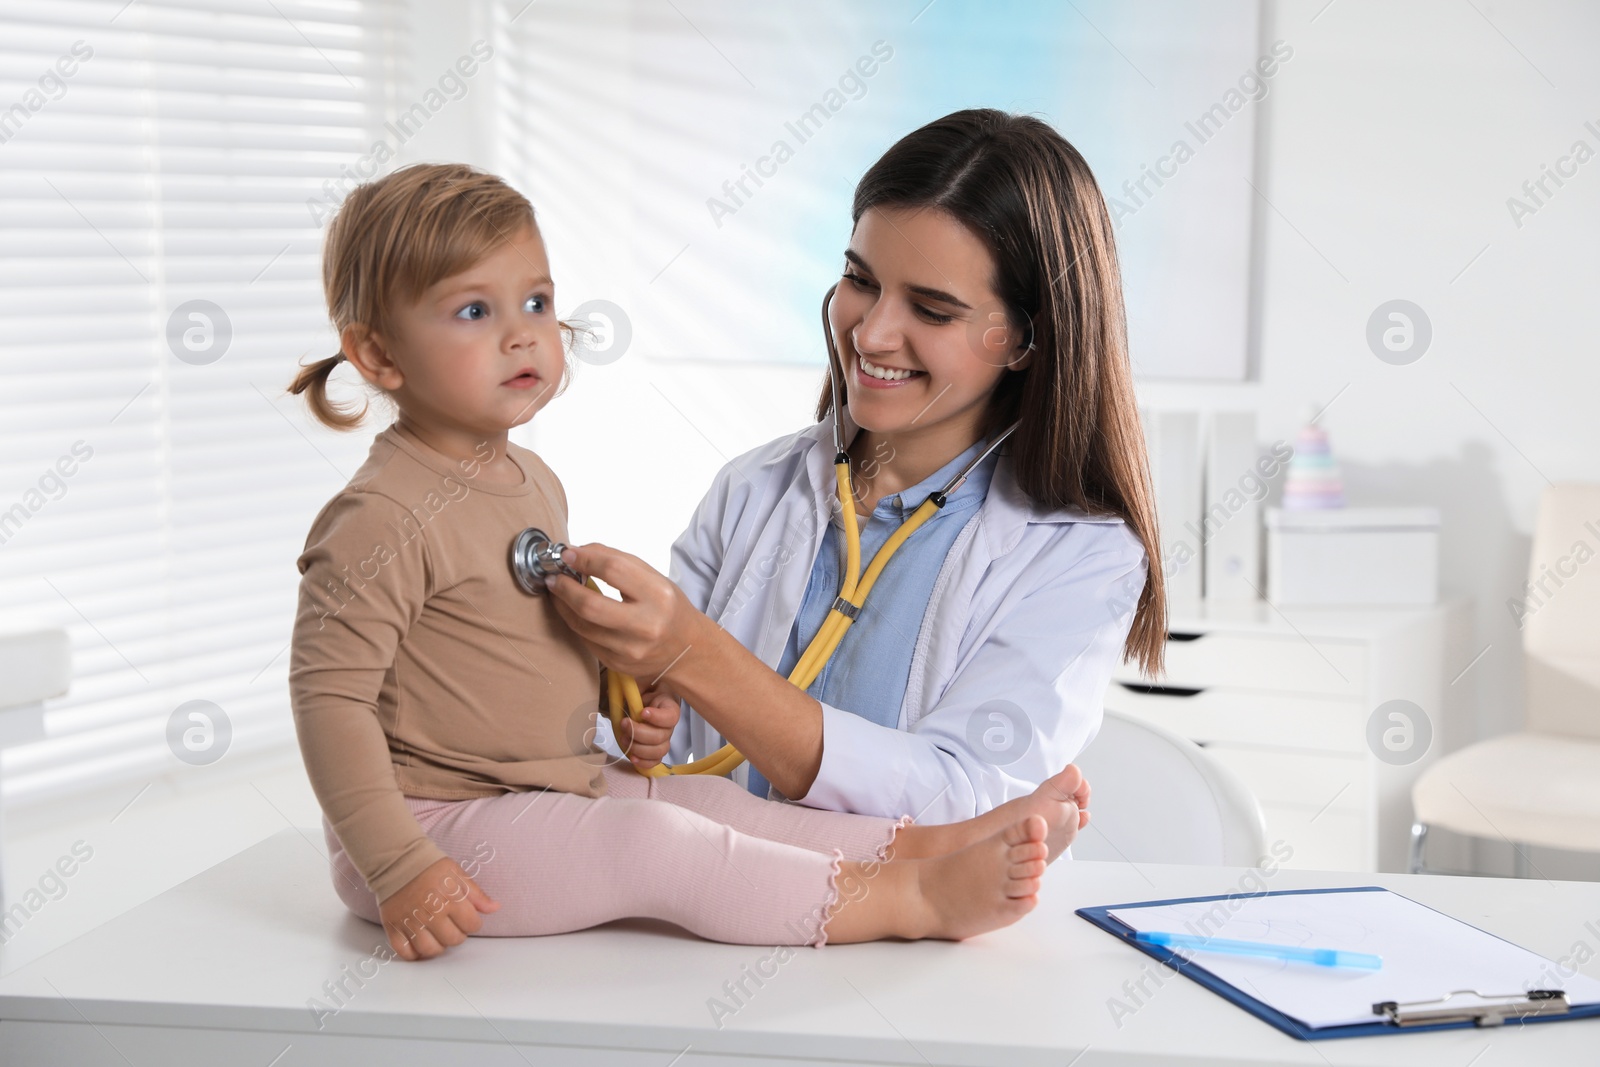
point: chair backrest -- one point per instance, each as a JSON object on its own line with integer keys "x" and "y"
{"x": 1559, "y": 613}
{"x": 1158, "y": 798}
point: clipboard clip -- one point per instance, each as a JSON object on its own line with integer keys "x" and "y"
{"x": 1507, "y": 1006}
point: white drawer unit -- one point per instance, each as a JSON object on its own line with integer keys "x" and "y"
{"x": 1297, "y": 703}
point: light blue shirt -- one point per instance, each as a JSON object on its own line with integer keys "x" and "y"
{"x": 868, "y": 671}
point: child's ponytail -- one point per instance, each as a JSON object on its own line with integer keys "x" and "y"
{"x": 313, "y": 381}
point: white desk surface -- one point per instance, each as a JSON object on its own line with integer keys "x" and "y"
{"x": 221, "y": 968}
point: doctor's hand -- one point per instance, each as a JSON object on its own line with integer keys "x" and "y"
{"x": 645, "y": 632}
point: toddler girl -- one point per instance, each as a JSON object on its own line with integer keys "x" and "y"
{"x": 445, "y": 717}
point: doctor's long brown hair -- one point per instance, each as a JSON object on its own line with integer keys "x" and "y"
{"x": 1029, "y": 195}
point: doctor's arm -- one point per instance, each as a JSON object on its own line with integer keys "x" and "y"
{"x": 664, "y": 639}
{"x": 1048, "y": 650}
{"x": 1037, "y": 671}
{"x": 1025, "y": 701}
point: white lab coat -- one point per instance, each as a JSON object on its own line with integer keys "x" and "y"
{"x": 1031, "y": 607}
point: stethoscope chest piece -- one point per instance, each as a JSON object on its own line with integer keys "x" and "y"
{"x": 535, "y": 557}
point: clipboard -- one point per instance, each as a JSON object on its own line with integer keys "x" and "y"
{"x": 1494, "y": 1007}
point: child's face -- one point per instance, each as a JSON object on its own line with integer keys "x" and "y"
{"x": 916, "y": 296}
{"x": 480, "y": 351}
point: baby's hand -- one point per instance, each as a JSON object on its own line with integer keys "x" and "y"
{"x": 436, "y": 909}
{"x": 646, "y": 741}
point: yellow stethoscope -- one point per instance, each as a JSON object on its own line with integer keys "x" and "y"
{"x": 533, "y": 556}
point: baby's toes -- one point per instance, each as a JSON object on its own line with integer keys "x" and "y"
{"x": 1028, "y": 868}
{"x": 1027, "y": 851}
{"x": 1025, "y": 886}
{"x": 1024, "y": 831}
{"x": 1026, "y": 855}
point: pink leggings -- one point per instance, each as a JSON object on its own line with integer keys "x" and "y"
{"x": 695, "y": 850}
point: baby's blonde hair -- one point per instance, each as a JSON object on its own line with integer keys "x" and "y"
{"x": 392, "y": 239}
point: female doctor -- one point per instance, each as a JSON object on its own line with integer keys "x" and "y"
{"x": 977, "y": 327}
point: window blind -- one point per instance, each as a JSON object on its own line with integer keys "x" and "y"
{"x": 689, "y": 160}
{"x": 160, "y": 166}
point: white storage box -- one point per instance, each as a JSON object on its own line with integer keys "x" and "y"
{"x": 1353, "y": 556}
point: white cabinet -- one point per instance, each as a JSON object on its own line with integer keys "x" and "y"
{"x": 1297, "y": 703}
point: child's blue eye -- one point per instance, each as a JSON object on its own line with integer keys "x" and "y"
{"x": 475, "y": 306}
{"x": 535, "y": 304}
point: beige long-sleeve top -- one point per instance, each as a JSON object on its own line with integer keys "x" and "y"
{"x": 418, "y": 666}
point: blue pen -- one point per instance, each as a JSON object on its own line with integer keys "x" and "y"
{"x": 1322, "y": 957}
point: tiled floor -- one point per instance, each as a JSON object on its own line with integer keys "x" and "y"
{"x": 139, "y": 841}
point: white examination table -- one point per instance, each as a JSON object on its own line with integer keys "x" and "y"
{"x": 221, "y": 969}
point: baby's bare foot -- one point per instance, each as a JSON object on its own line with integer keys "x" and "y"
{"x": 984, "y": 886}
{"x": 1054, "y": 801}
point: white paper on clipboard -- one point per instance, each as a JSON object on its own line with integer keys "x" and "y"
{"x": 1426, "y": 954}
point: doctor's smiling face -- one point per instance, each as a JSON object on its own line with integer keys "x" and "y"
{"x": 916, "y": 297}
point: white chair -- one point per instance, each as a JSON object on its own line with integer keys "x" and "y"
{"x": 1541, "y": 785}
{"x": 1158, "y": 798}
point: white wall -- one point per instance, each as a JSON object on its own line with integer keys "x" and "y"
{"x": 1390, "y": 145}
